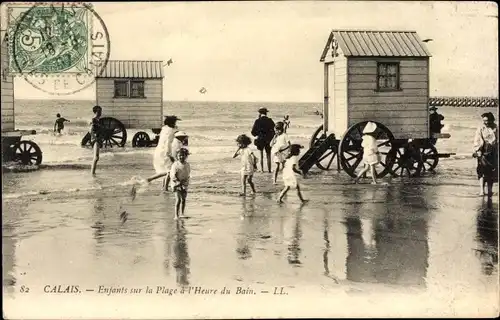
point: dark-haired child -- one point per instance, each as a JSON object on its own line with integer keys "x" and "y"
{"x": 95, "y": 136}
{"x": 248, "y": 163}
{"x": 180, "y": 173}
{"x": 59, "y": 124}
{"x": 290, "y": 171}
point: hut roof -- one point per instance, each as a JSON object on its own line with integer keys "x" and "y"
{"x": 133, "y": 69}
{"x": 365, "y": 43}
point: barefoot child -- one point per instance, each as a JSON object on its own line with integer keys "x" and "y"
{"x": 95, "y": 138}
{"x": 180, "y": 173}
{"x": 248, "y": 163}
{"x": 286, "y": 121}
{"x": 371, "y": 155}
{"x": 289, "y": 177}
{"x": 279, "y": 144}
{"x": 59, "y": 124}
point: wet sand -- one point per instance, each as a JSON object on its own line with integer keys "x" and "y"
{"x": 419, "y": 247}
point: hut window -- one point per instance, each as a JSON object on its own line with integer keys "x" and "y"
{"x": 387, "y": 76}
{"x": 121, "y": 89}
{"x": 137, "y": 89}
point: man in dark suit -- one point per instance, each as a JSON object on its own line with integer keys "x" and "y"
{"x": 435, "y": 125}
{"x": 263, "y": 131}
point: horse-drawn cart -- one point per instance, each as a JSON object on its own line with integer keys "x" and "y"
{"x": 382, "y": 77}
{"x": 131, "y": 95}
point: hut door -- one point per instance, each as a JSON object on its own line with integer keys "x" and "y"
{"x": 330, "y": 115}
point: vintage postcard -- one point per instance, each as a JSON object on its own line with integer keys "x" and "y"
{"x": 258, "y": 159}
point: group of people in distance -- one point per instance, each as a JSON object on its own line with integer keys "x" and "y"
{"x": 170, "y": 157}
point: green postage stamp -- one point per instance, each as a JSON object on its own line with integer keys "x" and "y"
{"x": 49, "y": 39}
{"x": 53, "y": 40}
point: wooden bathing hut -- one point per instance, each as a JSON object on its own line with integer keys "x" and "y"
{"x": 132, "y": 92}
{"x": 7, "y": 88}
{"x": 376, "y": 75}
{"x": 13, "y": 148}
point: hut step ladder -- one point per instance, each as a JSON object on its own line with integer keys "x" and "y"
{"x": 312, "y": 155}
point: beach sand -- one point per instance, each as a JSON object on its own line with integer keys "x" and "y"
{"x": 415, "y": 247}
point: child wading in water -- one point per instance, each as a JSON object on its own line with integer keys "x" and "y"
{"x": 59, "y": 124}
{"x": 248, "y": 163}
{"x": 279, "y": 144}
{"x": 289, "y": 177}
{"x": 179, "y": 174}
{"x": 286, "y": 121}
{"x": 95, "y": 138}
{"x": 371, "y": 155}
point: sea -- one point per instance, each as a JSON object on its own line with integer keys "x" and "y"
{"x": 417, "y": 246}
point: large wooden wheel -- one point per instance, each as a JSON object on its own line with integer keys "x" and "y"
{"x": 112, "y": 132}
{"x": 351, "y": 152}
{"x": 27, "y": 152}
{"x": 407, "y": 161}
{"x": 430, "y": 157}
{"x": 327, "y": 159}
{"x": 141, "y": 140}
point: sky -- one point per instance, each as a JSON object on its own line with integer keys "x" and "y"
{"x": 270, "y": 51}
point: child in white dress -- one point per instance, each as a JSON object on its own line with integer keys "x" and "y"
{"x": 371, "y": 155}
{"x": 248, "y": 163}
{"x": 289, "y": 173}
{"x": 279, "y": 144}
{"x": 180, "y": 173}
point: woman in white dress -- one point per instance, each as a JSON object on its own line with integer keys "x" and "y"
{"x": 163, "y": 158}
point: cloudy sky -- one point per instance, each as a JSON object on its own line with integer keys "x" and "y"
{"x": 269, "y": 51}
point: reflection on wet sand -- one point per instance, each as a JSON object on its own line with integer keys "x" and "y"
{"x": 389, "y": 246}
{"x": 294, "y": 241}
{"x": 487, "y": 236}
{"x": 181, "y": 254}
{"x": 9, "y": 241}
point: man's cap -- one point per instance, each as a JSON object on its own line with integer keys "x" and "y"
{"x": 174, "y": 118}
{"x": 263, "y": 110}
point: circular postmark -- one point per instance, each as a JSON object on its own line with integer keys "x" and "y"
{"x": 59, "y": 48}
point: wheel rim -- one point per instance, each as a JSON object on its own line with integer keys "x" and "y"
{"x": 28, "y": 153}
{"x": 112, "y": 132}
{"x": 429, "y": 157}
{"x": 351, "y": 152}
{"x": 317, "y": 136}
{"x": 141, "y": 139}
{"x": 405, "y": 164}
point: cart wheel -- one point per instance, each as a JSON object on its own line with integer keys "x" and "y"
{"x": 429, "y": 157}
{"x": 406, "y": 162}
{"x": 317, "y": 136}
{"x": 141, "y": 140}
{"x": 325, "y": 162}
{"x": 351, "y": 152}
{"x": 27, "y": 152}
{"x": 112, "y": 132}
{"x": 86, "y": 140}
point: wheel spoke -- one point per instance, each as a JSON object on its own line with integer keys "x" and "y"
{"x": 115, "y": 136}
{"x": 326, "y": 155}
{"x": 116, "y": 142}
{"x": 330, "y": 162}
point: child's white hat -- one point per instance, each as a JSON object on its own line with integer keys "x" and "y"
{"x": 370, "y": 127}
{"x": 180, "y": 134}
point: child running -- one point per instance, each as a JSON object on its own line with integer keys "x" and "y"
{"x": 371, "y": 155}
{"x": 248, "y": 163}
{"x": 286, "y": 121}
{"x": 179, "y": 174}
{"x": 289, "y": 177}
{"x": 95, "y": 136}
{"x": 279, "y": 144}
{"x": 59, "y": 124}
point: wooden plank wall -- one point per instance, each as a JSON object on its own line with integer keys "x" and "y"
{"x": 7, "y": 91}
{"x": 340, "y": 96}
{"x": 135, "y": 113}
{"x": 404, "y": 112}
